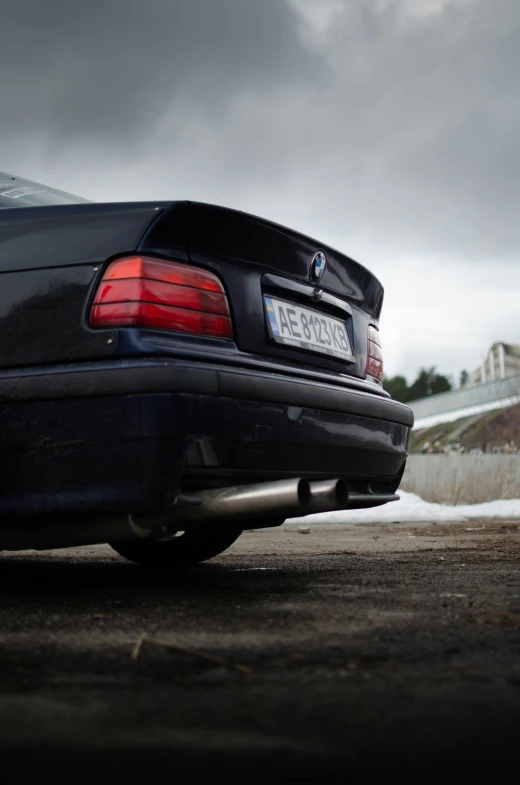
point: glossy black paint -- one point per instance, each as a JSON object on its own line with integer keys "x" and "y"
{"x": 124, "y": 419}
{"x": 42, "y": 317}
{"x": 247, "y": 252}
{"x": 134, "y": 377}
{"x": 229, "y": 235}
{"x": 87, "y": 454}
{"x": 50, "y": 258}
{"x": 36, "y": 237}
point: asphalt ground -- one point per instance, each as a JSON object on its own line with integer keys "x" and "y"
{"x": 328, "y": 654}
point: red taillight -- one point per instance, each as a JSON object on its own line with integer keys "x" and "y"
{"x": 374, "y": 354}
{"x": 139, "y": 291}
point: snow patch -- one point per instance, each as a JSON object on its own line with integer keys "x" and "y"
{"x": 480, "y": 408}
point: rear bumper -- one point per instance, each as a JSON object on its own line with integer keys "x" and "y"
{"x": 126, "y": 436}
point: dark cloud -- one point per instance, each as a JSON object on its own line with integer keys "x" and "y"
{"x": 388, "y": 128}
{"x": 402, "y": 115}
{"x": 111, "y": 69}
{"x": 415, "y": 141}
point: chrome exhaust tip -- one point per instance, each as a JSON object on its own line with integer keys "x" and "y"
{"x": 327, "y": 496}
{"x": 281, "y": 497}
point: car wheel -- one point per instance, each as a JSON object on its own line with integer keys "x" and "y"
{"x": 179, "y": 549}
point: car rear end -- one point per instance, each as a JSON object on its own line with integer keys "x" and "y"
{"x": 155, "y": 350}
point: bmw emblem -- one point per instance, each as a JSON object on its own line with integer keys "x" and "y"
{"x": 318, "y": 266}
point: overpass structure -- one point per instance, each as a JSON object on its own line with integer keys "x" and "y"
{"x": 468, "y": 401}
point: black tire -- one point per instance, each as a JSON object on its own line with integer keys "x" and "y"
{"x": 184, "y": 549}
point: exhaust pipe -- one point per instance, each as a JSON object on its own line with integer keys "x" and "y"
{"x": 248, "y": 503}
{"x": 360, "y": 501}
{"x": 282, "y": 497}
{"x": 327, "y": 496}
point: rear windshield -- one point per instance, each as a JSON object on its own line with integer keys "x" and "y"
{"x": 17, "y": 192}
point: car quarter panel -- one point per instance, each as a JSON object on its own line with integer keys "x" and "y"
{"x": 50, "y": 260}
{"x": 35, "y": 237}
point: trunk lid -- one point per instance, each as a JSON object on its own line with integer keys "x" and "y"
{"x": 258, "y": 259}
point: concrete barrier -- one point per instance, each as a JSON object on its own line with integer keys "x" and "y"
{"x": 463, "y": 479}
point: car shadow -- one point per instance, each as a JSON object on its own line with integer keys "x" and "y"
{"x": 45, "y": 577}
{"x": 71, "y": 618}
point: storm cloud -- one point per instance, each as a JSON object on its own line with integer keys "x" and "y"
{"x": 112, "y": 67}
{"x": 388, "y": 128}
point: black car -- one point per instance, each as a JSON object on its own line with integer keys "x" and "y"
{"x": 172, "y": 373}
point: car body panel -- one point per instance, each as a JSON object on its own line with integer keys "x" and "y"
{"x": 50, "y": 260}
{"x": 42, "y": 317}
{"x": 36, "y": 237}
{"x": 256, "y": 257}
{"x": 126, "y": 419}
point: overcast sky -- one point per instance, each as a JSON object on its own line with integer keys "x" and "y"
{"x": 386, "y": 128}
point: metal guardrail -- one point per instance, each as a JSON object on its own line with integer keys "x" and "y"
{"x": 505, "y": 391}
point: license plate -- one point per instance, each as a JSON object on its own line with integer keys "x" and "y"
{"x": 307, "y": 329}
